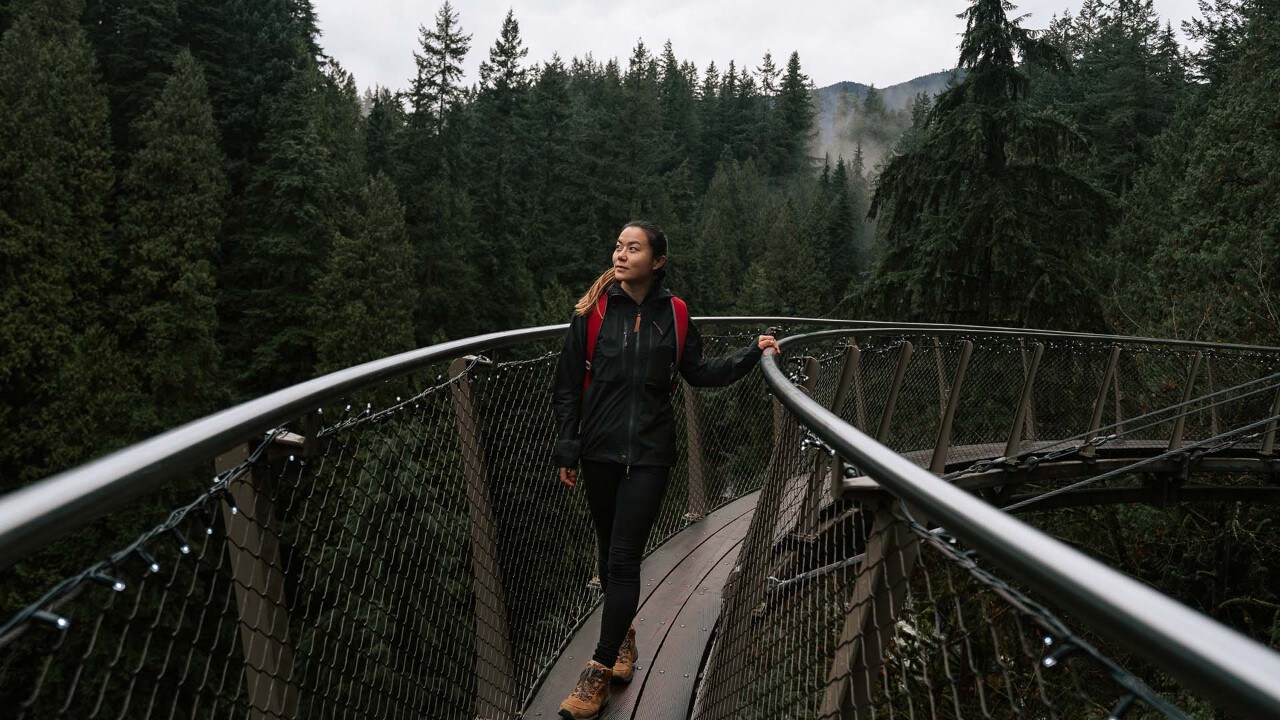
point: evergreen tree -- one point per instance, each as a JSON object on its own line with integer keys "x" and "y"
{"x": 840, "y": 237}
{"x": 301, "y": 196}
{"x": 731, "y": 229}
{"x": 365, "y": 297}
{"x": 499, "y": 184}
{"x": 136, "y": 42}
{"x": 796, "y": 112}
{"x": 435, "y": 92}
{"x": 1198, "y": 261}
{"x": 55, "y": 175}
{"x": 171, "y": 198}
{"x": 384, "y": 133}
{"x": 982, "y": 223}
{"x": 786, "y": 279}
{"x": 438, "y": 210}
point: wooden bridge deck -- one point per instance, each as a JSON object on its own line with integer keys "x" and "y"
{"x": 679, "y": 605}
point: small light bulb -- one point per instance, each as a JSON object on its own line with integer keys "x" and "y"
{"x": 118, "y": 586}
{"x": 184, "y": 549}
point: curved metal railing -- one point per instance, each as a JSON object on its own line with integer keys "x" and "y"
{"x": 389, "y": 540}
{"x": 911, "y": 592}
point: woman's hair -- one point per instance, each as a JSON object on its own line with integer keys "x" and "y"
{"x": 657, "y": 243}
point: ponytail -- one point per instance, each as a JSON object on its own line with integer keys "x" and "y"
{"x": 588, "y": 301}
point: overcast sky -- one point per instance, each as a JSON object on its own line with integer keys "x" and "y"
{"x": 869, "y": 41}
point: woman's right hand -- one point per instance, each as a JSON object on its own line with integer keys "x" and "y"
{"x": 568, "y": 476}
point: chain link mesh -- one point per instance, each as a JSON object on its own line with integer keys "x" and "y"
{"x": 410, "y": 552}
{"x": 858, "y": 608}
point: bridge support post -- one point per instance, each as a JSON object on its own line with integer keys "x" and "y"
{"x": 891, "y": 402}
{"x": 876, "y": 602}
{"x": 1095, "y": 422}
{"x": 495, "y": 689}
{"x": 253, "y": 552}
{"x": 939, "y": 462}
{"x": 1021, "y": 416}
{"x": 696, "y": 505}
{"x": 850, "y": 375}
{"x": 1175, "y": 438}
{"x": 1269, "y": 439}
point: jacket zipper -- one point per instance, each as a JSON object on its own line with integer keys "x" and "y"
{"x": 635, "y": 360}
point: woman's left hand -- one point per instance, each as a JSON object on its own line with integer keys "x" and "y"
{"x": 766, "y": 341}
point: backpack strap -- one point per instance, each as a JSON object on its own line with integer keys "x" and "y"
{"x": 681, "y": 313}
{"x": 594, "y": 320}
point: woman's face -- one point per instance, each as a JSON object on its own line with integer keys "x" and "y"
{"x": 633, "y": 258}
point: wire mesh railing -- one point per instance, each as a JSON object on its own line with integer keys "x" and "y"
{"x": 391, "y": 541}
{"x": 869, "y": 588}
{"x": 393, "y": 546}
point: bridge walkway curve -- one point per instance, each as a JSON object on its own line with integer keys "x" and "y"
{"x": 680, "y": 601}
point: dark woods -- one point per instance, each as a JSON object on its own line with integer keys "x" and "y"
{"x": 200, "y": 206}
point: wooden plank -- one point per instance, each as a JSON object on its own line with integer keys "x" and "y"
{"x": 658, "y": 615}
{"x": 673, "y": 672}
{"x": 655, "y": 570}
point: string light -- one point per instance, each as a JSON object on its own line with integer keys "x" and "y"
{"x": 55, "y": 620}
{"x": 1122, "y": 707}
{"x": 146, "y": 557}
{"x": 108, "y": 581}
{"x": 1056, "y": 657}
{"x": 184, "y": 547}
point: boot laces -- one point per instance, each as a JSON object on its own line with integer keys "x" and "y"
{"x": 589, "y": 683}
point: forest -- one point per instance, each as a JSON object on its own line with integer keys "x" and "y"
{"x": 198, "y": 205}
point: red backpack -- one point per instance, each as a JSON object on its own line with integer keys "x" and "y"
{"x": 678, "y": 308}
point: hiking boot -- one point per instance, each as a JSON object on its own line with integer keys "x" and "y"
{"x": 626, "y": 665}
{"x": 590, "y": 695}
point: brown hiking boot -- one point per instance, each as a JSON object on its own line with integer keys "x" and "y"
{"x": 626, "y": 665}
{"x": 590, "y": 695}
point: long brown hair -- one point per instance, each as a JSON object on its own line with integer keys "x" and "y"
{"x": 657, "y": 243}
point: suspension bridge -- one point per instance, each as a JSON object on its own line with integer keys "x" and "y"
{"x": 885, "y": 520}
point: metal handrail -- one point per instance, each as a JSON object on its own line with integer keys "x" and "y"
{"x": 1222, "y": 664}
{"x": 44, "y": 511}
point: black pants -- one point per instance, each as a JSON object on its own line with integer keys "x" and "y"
{"x": 623, "y": 507}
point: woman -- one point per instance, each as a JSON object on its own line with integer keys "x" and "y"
{"x": 621, "y": 428}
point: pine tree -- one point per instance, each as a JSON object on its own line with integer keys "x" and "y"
{"x": 136, "y": 42}
{"x": 1197, "y": 248}
{"x": 438, "y": 208}
{"x": 301, "y": 196}
{"x": 982, "y": 223}
{"x": 171, "y": 198}
{"x": 384, "y": 133}
{"x": 365, "y": 297}
{"x": 796, "y": 112}
{"x": 838, "y": 246}
{"x": 435, "y": 92}
{"x": 500, "y": 179}
{"x": 55, "y": 175}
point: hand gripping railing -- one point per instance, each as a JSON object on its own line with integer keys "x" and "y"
{"x": 868, "y": 586}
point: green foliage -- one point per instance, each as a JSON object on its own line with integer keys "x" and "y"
{"x": 1197, "y": 247}
{"x": 171, "y": 199}
{"x": 363, "y": 304}
{"x": 55, "y": 177}
{"x": 983, "y": 222}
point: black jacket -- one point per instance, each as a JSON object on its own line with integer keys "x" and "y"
{"x": 626, "y": 416}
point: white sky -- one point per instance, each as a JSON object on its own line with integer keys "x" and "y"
{"x": 870, "y": 41}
